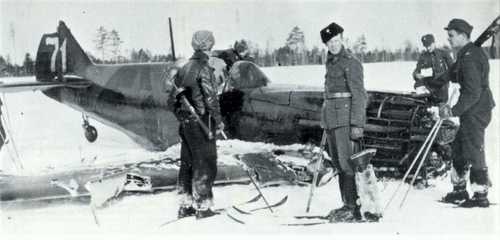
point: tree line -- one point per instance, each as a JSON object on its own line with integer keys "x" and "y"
{"x": 108, "y": 46}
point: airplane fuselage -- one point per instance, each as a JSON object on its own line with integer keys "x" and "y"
{"x": 129, "y": 97}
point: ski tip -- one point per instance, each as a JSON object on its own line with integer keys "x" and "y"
{"x": 235, "y": 219}
{"x": 241, "y": 210}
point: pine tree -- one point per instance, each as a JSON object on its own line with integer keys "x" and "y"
{"x": 115, "y": 44}
{"x": 101, "y": 41}
{"x": 29, "y": 65}
{"x": 359, "y": 47}
{"x": 296, "y": 43}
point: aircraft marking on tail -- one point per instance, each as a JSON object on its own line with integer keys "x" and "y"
{"x": 54, "y": 41}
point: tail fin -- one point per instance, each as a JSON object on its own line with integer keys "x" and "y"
{"x": 59, "y": 54}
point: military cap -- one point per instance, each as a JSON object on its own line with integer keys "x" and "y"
{"x": 459, "y": 25}
{"x": 203, "y": 40}
{"x": 330, "y": 31}
{"x": 427, "y": 40}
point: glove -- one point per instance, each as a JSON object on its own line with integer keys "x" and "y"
{"x": 419, "y": 76}
{"x": 220, "y": 128}
{"x": 356, "y": 133}
{"x": 422, "y": 90}
{"x": 445, "y": 111}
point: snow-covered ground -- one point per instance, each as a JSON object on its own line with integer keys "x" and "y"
{"x": 49, "y": 138}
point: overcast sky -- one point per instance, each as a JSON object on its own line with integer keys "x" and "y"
{"x": 144, "y": 24}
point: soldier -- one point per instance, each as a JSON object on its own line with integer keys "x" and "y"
{"x": 474, "y": 109}
{"x": 431, "y": 64}
{"x": 237, "y": 53}
{"x": 343, "y": 116}
{"x": 196, "y": 81}
{"x": 3, "y": 137}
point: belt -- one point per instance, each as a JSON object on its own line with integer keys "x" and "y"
{"x": 337, "y": 95}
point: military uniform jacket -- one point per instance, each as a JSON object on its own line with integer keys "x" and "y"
{"x": 439, "y": 60}
{"x": 198, "y": 79}
{"x": 344, "y": 74}
{"x": 472, "y": 73}
{"x": 230, "y": 56}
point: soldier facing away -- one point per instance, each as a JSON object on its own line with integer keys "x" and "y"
{"x": 474, "y": 108}
{"x": 431, "y": 65}
{"x": 343, "y": 117}
{"x": 196, "y": 81}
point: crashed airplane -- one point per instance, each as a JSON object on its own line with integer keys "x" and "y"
{"x": 132, "y": 98}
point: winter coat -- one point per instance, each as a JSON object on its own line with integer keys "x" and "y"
{"x": 230, "y": 56}
{"x": 344, "y": 74}
{"x": 198, "y": 80}
{"x": 440, "y": 61}
{"x": 472, "y": 73}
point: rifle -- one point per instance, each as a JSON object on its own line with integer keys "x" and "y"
{"x": 179, "y": 92}
{"x": 492, "y": 29}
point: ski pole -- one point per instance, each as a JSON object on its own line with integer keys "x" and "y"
{"x": 436, "y": 128}
{"x": 412, "y": 163}
{"x": 260, "y": 192}
{"x": 251, "y": 178}
{"x": 440, "y": 121}
{"x": 93, "y": 211}
{"x": 316, "y": 172}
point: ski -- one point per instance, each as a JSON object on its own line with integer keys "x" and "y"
{"x": 277, "y": 204}
{"x": 311, "y": 217}
{"x": 305, "y": 223}
{"x": 306, "y": 220}
{"x": 218, "y": 211}
{"x": 457, "y": 204}
{"x": 245, "y": 212}
{"x": 235, "y": 219}
{"x": 290, "y": 221}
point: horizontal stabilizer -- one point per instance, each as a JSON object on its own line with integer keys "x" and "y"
{"x": 34, "y": 85}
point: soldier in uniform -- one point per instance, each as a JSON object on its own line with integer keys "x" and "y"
{"x": 196, "y": 81}
{"x": 237, "y": 53}
{"x": 474, "y": 109}
{"x": 2, "y": 130}
{"x": 434, "y": 62}
{"x": 343, "y": 116}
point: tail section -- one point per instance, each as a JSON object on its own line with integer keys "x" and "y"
{"x": 60, "y": 54}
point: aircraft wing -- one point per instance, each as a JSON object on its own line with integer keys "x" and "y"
{"x": 35, "y": 85}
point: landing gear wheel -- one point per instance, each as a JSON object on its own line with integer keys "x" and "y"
{"x": 90, "y": 131}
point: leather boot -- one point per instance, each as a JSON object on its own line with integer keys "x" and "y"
{"x": 205, "y": 213}
{"x": 350, "y": 211}
{"x": 459, "y": 181}
{"x": 479, "y": 199}
{"x": 479, "y": 185}
{"x": 458, "y": 195}
{"x": 185, "y": 211}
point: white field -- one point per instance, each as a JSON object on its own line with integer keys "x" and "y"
{"x": 49, "y": 137}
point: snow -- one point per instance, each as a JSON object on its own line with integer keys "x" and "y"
{"x": 60, "y": 144}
